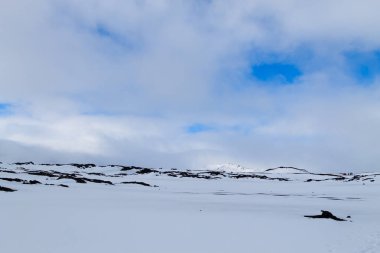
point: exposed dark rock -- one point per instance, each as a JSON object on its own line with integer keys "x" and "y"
{"x": 42, "y": 173}
{"x": 126, "y": 168}
{"x": 252, "y": 175}
{"x": 6, "y": 189}
{"x": 32, "y": 182}
{"x": 97, "y": 174}
{"x": 216, "y": 173}
{"x": 78, "y": 165}
{"x": 83, "y": 180}
{"x": 76, "y": 179}
{"x": 146, "y": 171}
{"x": 139, "y": 183}
{"x": 11, "y": 179}
{"x": 8, "y": 171}
{"x": 325, "y": 215}
{"x": 194, "y": 174}
{"x": 98, "y": 181}
{"x": 61, "y": 185}
{"x": 24, "y": 163}
{"x": 121, "y": 175}
{"x": 18, "y": 180}
{"x": 83, "y": 165}
{"x": 329, "y": 198}
{"x": 357, "y": 177}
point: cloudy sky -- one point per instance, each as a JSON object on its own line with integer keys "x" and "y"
{"x": 188, "y": 83}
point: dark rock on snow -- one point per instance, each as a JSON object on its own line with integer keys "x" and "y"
{"x": 139, "y": 183}
{"x": 6, "y": 189}
{"x": 325, "y": 215}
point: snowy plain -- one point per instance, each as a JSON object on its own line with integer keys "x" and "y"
{"x": 89, "y": 208}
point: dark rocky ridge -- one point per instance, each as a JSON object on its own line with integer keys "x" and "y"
{"x": 113, "y": 174}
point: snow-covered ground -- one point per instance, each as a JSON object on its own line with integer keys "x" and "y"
{"x": 86, "y": 208}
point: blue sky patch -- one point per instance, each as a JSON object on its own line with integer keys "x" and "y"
{"x": 104, "y": 32}
{"x": 5, "y": 109}
{"x": 363, "y": 66}
{"x": 276, "y": 72}
{"x": 199, "y": 128}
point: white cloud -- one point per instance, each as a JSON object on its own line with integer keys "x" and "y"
{"x": 121, "y": 80}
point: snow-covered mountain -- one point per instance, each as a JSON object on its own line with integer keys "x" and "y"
{"x": 232, "y": 167}
{"x": 289, "y": 170}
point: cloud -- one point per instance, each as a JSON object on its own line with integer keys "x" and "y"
{"x": 127, "y": 81}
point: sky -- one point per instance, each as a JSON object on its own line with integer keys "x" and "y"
{"x": 189, "y": 83}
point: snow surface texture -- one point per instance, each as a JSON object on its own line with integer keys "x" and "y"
{"x": 89, "y": 208}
